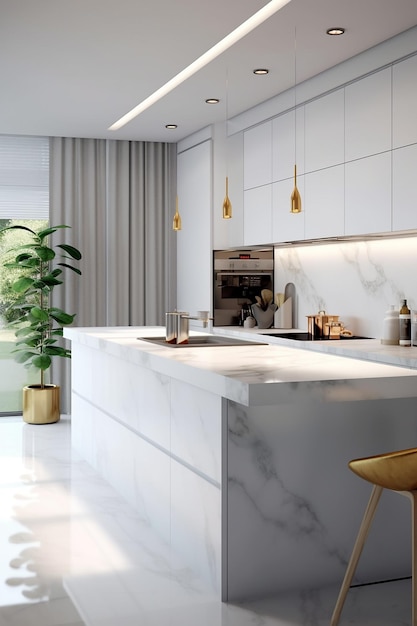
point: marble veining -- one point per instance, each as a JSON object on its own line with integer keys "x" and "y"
{"x": 258, "y": 374}
{"x": 74, "y": 553}
{"x": 355, "y": 280}
{"x": 291, "y": 499}
{"x": 253, "y": 496}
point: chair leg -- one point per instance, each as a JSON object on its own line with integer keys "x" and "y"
{"x": 357, "y": 550}
{"x": 413, "y": 497}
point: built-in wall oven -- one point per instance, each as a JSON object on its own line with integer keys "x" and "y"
{"x": 238, "y": 278}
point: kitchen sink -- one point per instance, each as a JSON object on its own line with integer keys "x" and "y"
{"x": 203, "y": 341}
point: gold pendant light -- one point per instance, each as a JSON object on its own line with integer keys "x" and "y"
{"x": 227, "y": 205}
{"x": 295, "y": 196}
{"x": 176, "y": 224}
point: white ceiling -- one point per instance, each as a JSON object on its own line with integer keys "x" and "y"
{"x": 73, "y": 67}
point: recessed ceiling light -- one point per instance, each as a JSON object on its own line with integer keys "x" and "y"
{"x": 272, "y": 7}
{"x": 171, "y": 126}
{"x": 261, "y": 71}
{"x": 212, "y": 101}
{"x": 335, "y": 31}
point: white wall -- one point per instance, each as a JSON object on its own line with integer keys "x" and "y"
{"x": 356, "y": 280}
{"x": 194, "y": 190}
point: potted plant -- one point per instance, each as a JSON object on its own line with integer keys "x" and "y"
{"x": 39, "y": 325}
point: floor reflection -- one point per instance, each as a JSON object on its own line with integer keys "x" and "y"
{"x": 73, "y": 553}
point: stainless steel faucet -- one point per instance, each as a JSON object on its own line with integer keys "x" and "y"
{"x": 178, "y": 325}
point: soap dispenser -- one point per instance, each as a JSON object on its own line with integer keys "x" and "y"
{"x": 391, "y": 327}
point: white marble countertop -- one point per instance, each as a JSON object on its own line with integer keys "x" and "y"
{"x": 256, "y": 375}
{"x": 363, "y": 349}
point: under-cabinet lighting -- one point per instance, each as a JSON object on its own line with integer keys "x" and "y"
{"x": 224, "y": 44}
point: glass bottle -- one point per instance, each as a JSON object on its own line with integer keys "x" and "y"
{"x": 391, "y": 327}
{"x": 405, "y": 324}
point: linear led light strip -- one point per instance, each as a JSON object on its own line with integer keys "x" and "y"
{"x": 250, "y": 24}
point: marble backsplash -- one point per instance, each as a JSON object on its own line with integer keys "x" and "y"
{"x": 355, "y": 280}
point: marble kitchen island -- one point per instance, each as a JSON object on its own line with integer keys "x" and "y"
{"x": 237, "y": 456}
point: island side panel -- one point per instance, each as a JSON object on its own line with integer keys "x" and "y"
{"x": 158, "y": 443}
{"x": 196, "y": 479}
{"x": 294, "y": 507}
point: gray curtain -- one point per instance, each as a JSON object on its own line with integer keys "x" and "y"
{"x": 119, "y": 199}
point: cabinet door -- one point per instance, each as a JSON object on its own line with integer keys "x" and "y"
{"x": 324, "y": 203}
{"x": 257, "y": 215}
{"x": 404, "y": 188}
{"x": 286, "y": 131}
{"x": 193, "y": 242}
{"x": 324, "y": 131}
{"x": 404, "y": 102}
{"x": 368, "y": 195}
{"x": 287, "y": 226}
{"x": 257, "y": 156}
{"x": 368, "y": 115}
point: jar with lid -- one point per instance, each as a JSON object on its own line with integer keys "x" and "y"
{"x": 405, "y": 324}
{"x": 391, "y": 327}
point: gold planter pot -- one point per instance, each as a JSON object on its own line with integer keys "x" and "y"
{"x": 41, "y": 405}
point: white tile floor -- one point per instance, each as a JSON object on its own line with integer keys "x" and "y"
{"x": 73, "y": 553}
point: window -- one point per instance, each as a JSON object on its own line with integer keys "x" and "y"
{"x": 24, "y": 199}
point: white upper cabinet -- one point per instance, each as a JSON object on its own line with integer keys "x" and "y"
{"x": 287, "y": 131}
{"x": 368, "y": 195}
{"x": 404, "y": 188}
{"x": 404, "y": 102}
{"x": 287, "y": 226}
{"x": 257, "y": 227}
{"x": 257, "y": 156}
{"x": 325, "y": 132}
{"x": 368, "y": 115}
{"x": 324, "y": 203}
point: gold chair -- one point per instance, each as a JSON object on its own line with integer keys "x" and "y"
{"x": 396, "y": 471}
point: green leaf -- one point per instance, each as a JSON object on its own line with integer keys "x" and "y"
{"x": 22, "y": 332}
{"x": 61, "y": 317}
{"x": 45, "y": 253}
{"x": 48, "y": 231}
{"x": 27, "y": 341}
{"x": 56, "y": 272}
{"x": 70, "y": 267}
{"x": 22, "y": 284}
{"x": 42, "y": 361}
{"x": 39, "y": 314}
{"x": 19, "y": 228}
{"x": 50, "y": 341}
{"x": 56, "y": 351}
{"x": 58, "y": 332}
{"x": 39, "y": 284}
{"x": 22, "y": 357}
{"x": 73, "y": 252}
{"x": 23, "y": 257}
{"x": 51, "y": 281}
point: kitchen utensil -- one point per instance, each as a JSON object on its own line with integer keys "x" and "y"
{"x": 279, "y": 299}
{"x": 267, "y": 296}
{"x": 316, "y": 324}
{"x": 289, "y": 292}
